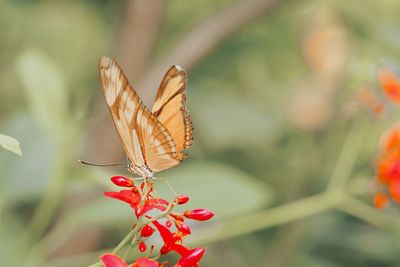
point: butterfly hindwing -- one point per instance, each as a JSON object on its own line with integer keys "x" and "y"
{"x": 170, "y": 108}
{"x": 146, "y": 141}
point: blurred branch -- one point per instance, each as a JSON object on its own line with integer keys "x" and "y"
{"x": 347, "y": 158}
{"x": 138, "y": 30}
{"x": 137, "y": 33}
{"x": 285, "y": 213}
{"x": 367, "y": 213}
{"x": 204, "y": 38}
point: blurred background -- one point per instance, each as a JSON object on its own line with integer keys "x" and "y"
{"x": 284, "y": 146}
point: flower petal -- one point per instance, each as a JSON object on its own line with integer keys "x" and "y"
{"x": 191, "y": 258}
{"x": 112, "y": 260}
{"x": 144, "y": 262}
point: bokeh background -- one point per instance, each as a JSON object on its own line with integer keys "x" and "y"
{"x": 283, "y": 150}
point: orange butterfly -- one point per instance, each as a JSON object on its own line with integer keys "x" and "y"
{"x": 153, "y": 140}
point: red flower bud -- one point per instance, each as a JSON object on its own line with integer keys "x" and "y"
{"x": 168, "y": 223}
{"x": 183, "y": 227}
{"x": 181, "y": 199}
{"x": 147, "y": 231}
{"x": 199, "y": 214}
{"x": 142, "y": 247}
{"x": 122, "y": 181}
{"x": 139, "y": 211}
{"x": 191, "y": 258}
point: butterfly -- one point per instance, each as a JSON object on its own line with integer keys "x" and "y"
{"x": 153, "y": 140}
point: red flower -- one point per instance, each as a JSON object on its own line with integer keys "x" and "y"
{"x": 112, "y": 260}
{"x": 145, "y": 262}
{"x": 191, "y": 258}
{"x": 133, "y": 198}
{"x": 142, "y": 201}
{"x": 126, "y": 196}
{"x": 167, "y": 237}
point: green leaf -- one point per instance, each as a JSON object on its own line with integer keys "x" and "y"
{"x": 10, "y": 144}
{"x": 221, "y": 123}
{"x": 224, "y": 189}
{"x": 45, "y": 90}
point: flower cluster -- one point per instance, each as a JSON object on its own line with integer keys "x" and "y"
{"x": 388, "y": 158}
{"x": 388, "y": 167}
{"x": 373, "y": 101}
{"x": 170, "y": 225}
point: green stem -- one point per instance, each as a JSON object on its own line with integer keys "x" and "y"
{"x": 347, "y": 158}
{"x": 123, "y": 242}
{"x": 367, "y": 213}
{"x": 272, "y": 217}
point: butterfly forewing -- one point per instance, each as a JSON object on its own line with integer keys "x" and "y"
{"x": 146, "y": 141}
{"x": 170, "y": 108}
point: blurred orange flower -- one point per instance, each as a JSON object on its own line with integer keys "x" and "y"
{"x": 388, "y": 166}
{"x": 369, "y": 99}
{"x": 380, "y": 200}
{"x": 390, "y": 139}
{"x": 390, "y": 85}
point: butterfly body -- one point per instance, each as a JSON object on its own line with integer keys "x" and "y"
{"x": 143, "y": 170}
{"x": 153, "y": 140}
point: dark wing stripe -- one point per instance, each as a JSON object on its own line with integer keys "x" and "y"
{"x": 156, "y": 113}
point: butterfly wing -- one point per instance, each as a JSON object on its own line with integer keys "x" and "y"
{"x": 146, "y": 141}
{"x": 170, "y": 108}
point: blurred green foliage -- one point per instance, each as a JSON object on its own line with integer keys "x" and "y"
{"x": 250, "y": 156}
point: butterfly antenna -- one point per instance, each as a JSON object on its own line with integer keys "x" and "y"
{"x": 101, "y": 165}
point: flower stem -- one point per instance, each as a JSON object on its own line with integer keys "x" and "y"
{"x": 347, "y": 157}
{"x": 367, "y": 213}
{"x": 272, "y": 217}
